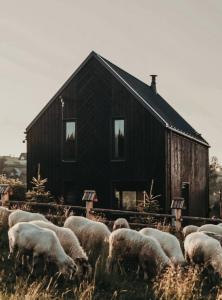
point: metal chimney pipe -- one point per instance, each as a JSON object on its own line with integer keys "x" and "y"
{"x": 153, "y": 83}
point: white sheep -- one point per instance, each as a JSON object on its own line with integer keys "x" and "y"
{"x": 93, "y": 235}
{"x": 120, "y": 223}
{"x": 200, "y": 248}
{"x": 24, "y": 216}
{"x": 127, "y": 244}
{"x": 213, "y": 235}
{"x": 70, "y": 244}
{"x": 4, "y": 215}
{"x": 189, "y": 229}
{"x": 28, "y": 237}
{"x": 210, "y": 228}
{"x": 168, "y": 242}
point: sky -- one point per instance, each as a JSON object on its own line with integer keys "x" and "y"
{"x": 43, "y": 42}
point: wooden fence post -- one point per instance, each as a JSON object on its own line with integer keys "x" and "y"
{"x": 5, "y": 192}
{"x": 178, "y": 224}
{"x": 176, "y": 208}
{"x": 5, "y": 199}
{"x": 89, "y": 206}
{"x": 90, "y": 197}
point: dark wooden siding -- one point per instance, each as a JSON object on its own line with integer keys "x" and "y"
{"x": 93, "y": 98}
{"x": 43, "y": 146}
{"x": 189, "y": 163}
{"x": 145, "y": 158}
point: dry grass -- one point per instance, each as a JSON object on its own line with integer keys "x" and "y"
{"x": 189, "y": 283}
{"x": 178, "y": 284}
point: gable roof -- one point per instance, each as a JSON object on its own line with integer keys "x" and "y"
{"x": 152, "y": 101}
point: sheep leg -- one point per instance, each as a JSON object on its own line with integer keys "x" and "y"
{"x": 110, "y": 264}
{"x": 138, "y": 272}
{"x": 145, "y": 277}
{"x": 121, "y": 267}
{"x": 34, "y": 261}
{"x": 143, "y": 266}
{"x": 11, "y": 249}
{"x": 45, "y": 267}
{"x": 29, "y": 264}
{"x": 17, "y": 261}
{"x": 11, "y": 254}
{"x": 23, "y": 260}
{"x": 187, "y": 258}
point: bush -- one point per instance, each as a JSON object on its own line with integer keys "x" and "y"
{"x": 18, "y": 188}
{"x": 38, "y": 192}
{"x": 19, "y": 191}
{"x": 44, "y": 197}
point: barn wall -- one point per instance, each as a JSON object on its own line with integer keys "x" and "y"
{"x": 189, "y": 163}
{"x": 93, "y": 98}
{"x": 145, "y": 158}
{"x": 43, "y": 146}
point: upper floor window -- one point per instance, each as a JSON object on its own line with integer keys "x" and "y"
{"x": 69, "y": 140}
{"x": 118, "y": 139}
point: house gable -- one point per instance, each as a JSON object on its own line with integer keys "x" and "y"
{"x": 153, "y": 102}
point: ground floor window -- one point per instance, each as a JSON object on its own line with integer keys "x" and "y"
{"x": 128, "y": 200}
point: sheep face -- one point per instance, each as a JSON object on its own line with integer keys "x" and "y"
{"x": 120, "y": 223}
{"x": 117, "y": 226}
{"x": 68, "y": 268}
{"x": 84, "y": 268}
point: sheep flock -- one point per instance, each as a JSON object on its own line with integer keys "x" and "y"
{"x": 75, "y": 247}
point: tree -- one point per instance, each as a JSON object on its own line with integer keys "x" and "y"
{"x": 38, "y": 192}
{"x": 150, "y": 202}
{"x": 215, "y": 173}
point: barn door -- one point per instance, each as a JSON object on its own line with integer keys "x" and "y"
{"x": 185, "y": 193}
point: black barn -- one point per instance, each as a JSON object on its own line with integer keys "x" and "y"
{"x": 107, "y": 130}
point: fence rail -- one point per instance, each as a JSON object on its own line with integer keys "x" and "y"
{"x": 49, "y": 205}
{"x": 146, "y": 214}
{"x": 111, "y": 212}
{"x": 129, "y": 213}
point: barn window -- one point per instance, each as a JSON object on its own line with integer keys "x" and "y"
{"x": 129, "y": 200}
{"x": 118, "y": 139}
{"x": 69, "y": 141}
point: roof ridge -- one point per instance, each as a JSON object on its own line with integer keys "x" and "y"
{"x": 154, "y": 102}
{"x": 198, "y": 136}
{"x": 135, "y": 92}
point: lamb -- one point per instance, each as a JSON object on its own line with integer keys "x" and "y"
{"x": 168, "y": 242}
{"x": 41, "y": 241}
{"x": 93, "y": 235}
{"x": 211, "y": 228}
{"x": 70, "y": 244}
{"x": 24, "y": 216}
{"x": 120, "y": 223}
{"x": 127, "y": 244}
{"x": 200, "y": 248}
{"x": 4, "y": 215}
{"x": 189, "y": 229}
